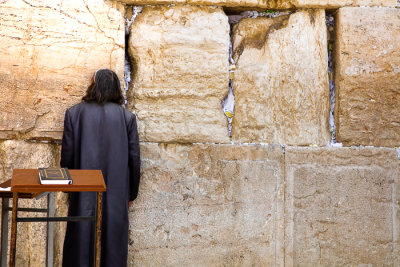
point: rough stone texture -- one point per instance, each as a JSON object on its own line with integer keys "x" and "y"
{"x": 20, "y": 155}
{"x": 396, "y": 213}
{"x": 49, "y": 51}
{"x": 257, "y": 4}
{"x": 368, "y": 76}
{"x": 281, "y": 81}
{"x": 180, "y": 57}
{"x": 31, "y": 245}
{"x": 208, "y": 205}
{"x": 342, "y": 3}
{"x": 339, "y": 207}
{"x": 270, "y": 4}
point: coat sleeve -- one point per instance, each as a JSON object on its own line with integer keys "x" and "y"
{"x": 134, "y": 159}
{"x": 67, "y": 146}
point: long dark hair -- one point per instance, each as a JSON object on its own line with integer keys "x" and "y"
{"x": 105, "y": 87}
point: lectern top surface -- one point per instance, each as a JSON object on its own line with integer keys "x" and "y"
{"x": 27, "y": 180}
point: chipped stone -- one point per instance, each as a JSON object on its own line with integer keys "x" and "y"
{"x": 281, "y": 82}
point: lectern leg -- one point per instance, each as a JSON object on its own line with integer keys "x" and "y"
{"x": 50, "y": 230}
{"x": 13, "y": 241}
{"x": 4, "y": 231}
{"x": 98, "y": 229}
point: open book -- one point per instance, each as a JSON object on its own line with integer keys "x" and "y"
{"x": 6, "y": 186}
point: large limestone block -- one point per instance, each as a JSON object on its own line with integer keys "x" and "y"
{"x": 341, "y": 207}
{"x": 31, "y": 244}
{"x": 208, "y": 205}
{"x": 270, "y": 4}
{"x": 342, "y": 3}
{"x": 368, "y": 76}
{"x": 49, "y": 51}
{"x": 180, "y": 57}
{"x": 281, "y": 81}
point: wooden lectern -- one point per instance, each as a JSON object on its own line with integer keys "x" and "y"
{"x": 27, "y": 181}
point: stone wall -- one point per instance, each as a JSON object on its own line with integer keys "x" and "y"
{"x": 281, "y": 79}
{"x": 208, "y": 205}
{"x": 276, "y": 191}
{"x": 368, "y": 76}
{"x": 169, "y": 93}
{"x": 271, "y": 4}
{"x": 48, "y": 52}
{"x": 341, "y": 206}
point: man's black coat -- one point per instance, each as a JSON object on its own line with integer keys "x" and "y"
{"x": 101, "y": 137}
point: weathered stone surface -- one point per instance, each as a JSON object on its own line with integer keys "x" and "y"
{"x": 180, "y": 57}
{"x": 339, "y": 206}
{"x": 281, "y": 81}
{"x": 368, "y": 76}
{"x": 208, "y": 205}
{"x": 270, "y": 4}
{"x": 21, "y": 155}
{"x": 396, "y": 212}
{"x": 49, "y": 51}
{"x": 212, "y": 255}
{"x": 257, "y": 4}
{"x": 342, "y": 3}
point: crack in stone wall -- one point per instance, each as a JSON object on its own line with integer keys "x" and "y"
{"x": 128, "y": 65}
{"x": 254, "y": 40}
{"x": 228, "y": 104}
{"x": 330, "y": 23}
